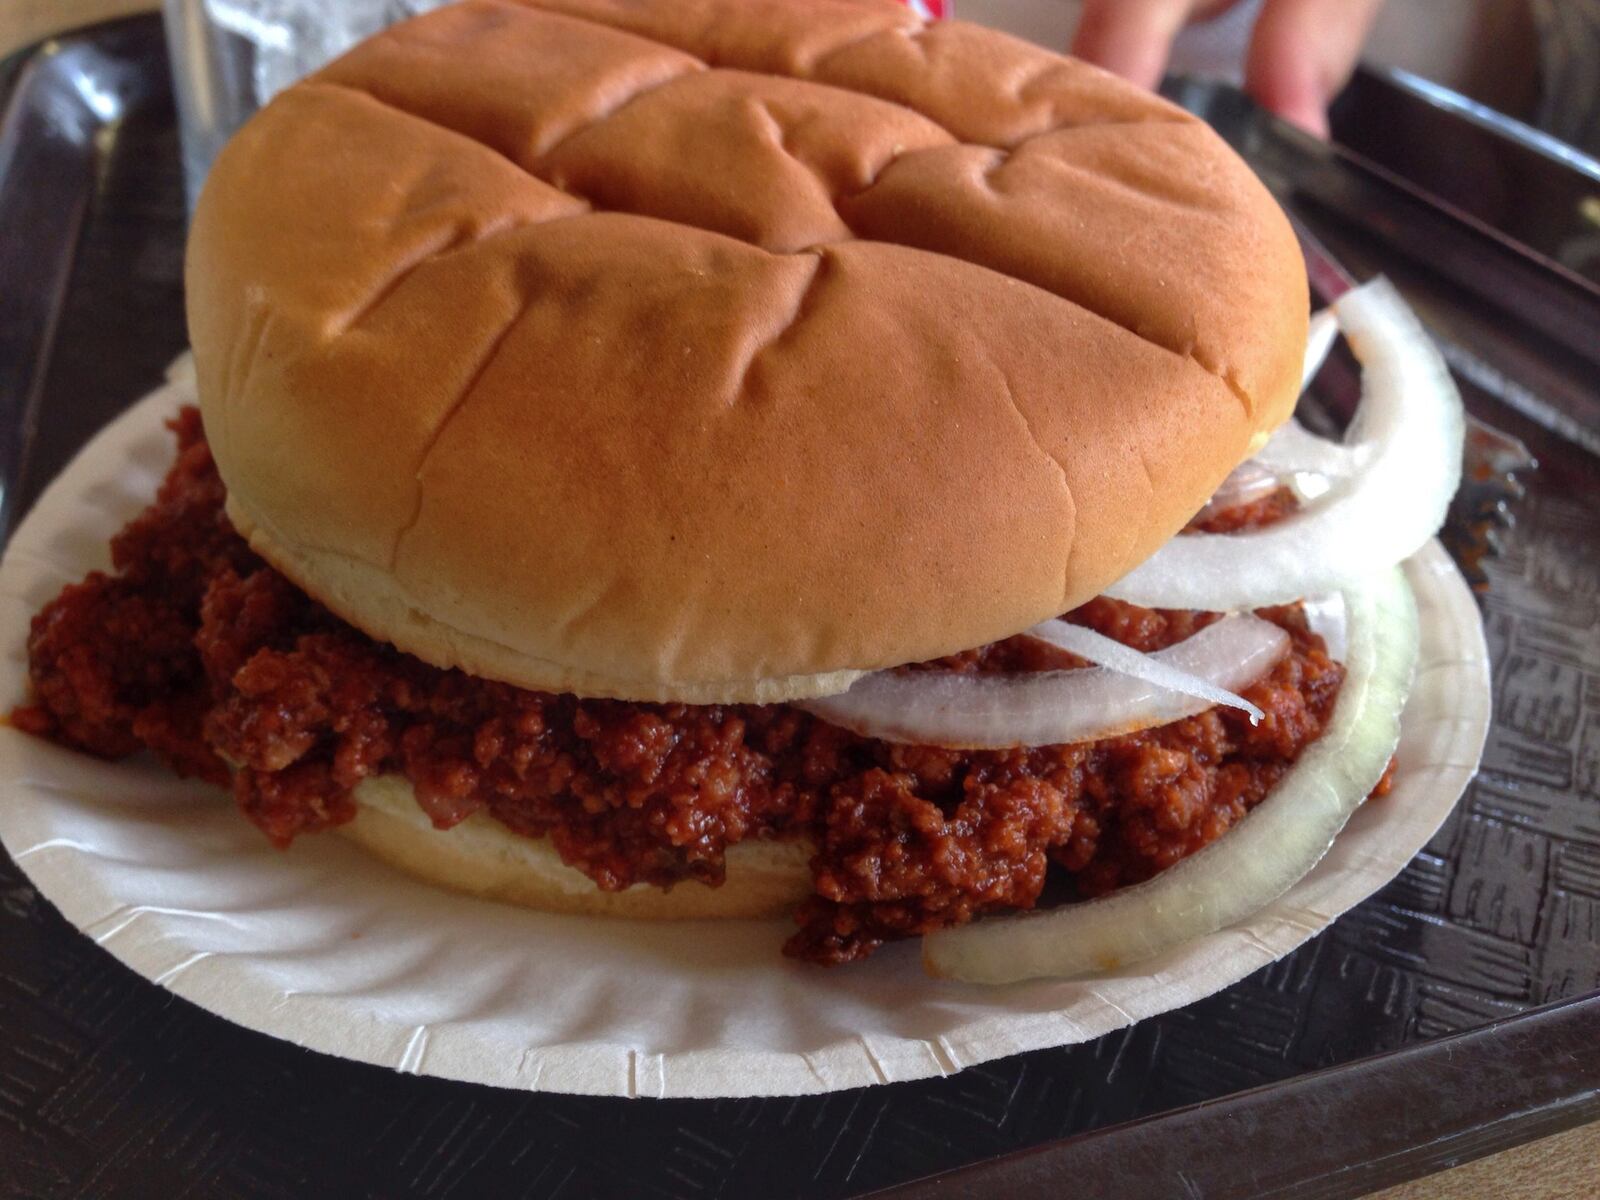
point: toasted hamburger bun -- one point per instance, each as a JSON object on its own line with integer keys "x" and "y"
{"x": 720, "y": 350}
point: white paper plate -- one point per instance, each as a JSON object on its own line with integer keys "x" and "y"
{"x": 329, "y": 949}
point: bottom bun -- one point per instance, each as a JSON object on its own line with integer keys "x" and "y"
{"x": 484, "y": 858}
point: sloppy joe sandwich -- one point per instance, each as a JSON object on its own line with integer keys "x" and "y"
{"x": 736, "y": 457}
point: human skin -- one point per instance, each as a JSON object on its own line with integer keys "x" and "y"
{"x": 1301, "y": 52}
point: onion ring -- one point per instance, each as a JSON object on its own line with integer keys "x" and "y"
{"x": 1321, "y": 333}
{"x": 1165, "y": 673}
{"x": 1250, "y": 481}
{"x": 1252, "y": 864}
{"x": 1294, "y": 449}
{"x": 1293, "y": 452}
{"x": 1406, "y": 441}
{"x": 1048, "y": 708}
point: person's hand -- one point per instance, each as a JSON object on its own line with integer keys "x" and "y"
{"x": 1301, "y": 51}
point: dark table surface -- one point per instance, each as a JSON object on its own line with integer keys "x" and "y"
{"x": 110, "y": 1086}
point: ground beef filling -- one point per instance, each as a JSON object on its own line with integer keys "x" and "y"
{"x": 1273, "y": 507}
{"x": 198, "y": 650}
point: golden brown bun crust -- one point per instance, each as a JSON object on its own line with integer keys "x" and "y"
{"x": 483, "y": 858}
{"x": 717, "y": 349}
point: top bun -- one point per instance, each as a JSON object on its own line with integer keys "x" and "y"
{"x": 718, "y": 350}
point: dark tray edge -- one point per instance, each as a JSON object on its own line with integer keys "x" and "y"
{"x": 48, "y": 174}
{"x": 1499, "y": 1085}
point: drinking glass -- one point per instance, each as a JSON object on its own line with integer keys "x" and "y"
{"x": 229, "y": 57}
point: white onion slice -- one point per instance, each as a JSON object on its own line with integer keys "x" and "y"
{"x": 1243, "y": 647}
{"x": 1406, "y": 441}
{"x": 1048, "y": 708}
{"x": 181, "y": 369}
{"x": 1249, "y": 866}
{"x": 1329, "y": 619}
{"x": 1250, "y": 481}
{"x": 1295, "y": 449}
{"x": 1321, "y": 333}
{"x": 1293, "y": 452}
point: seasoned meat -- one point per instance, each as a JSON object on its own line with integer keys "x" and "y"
{"x": 201, "y": 652}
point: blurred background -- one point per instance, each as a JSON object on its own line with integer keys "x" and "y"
{"x": 1536, "y": 60}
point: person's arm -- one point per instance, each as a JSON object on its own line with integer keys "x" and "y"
{"x": 1301, "y": 51}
